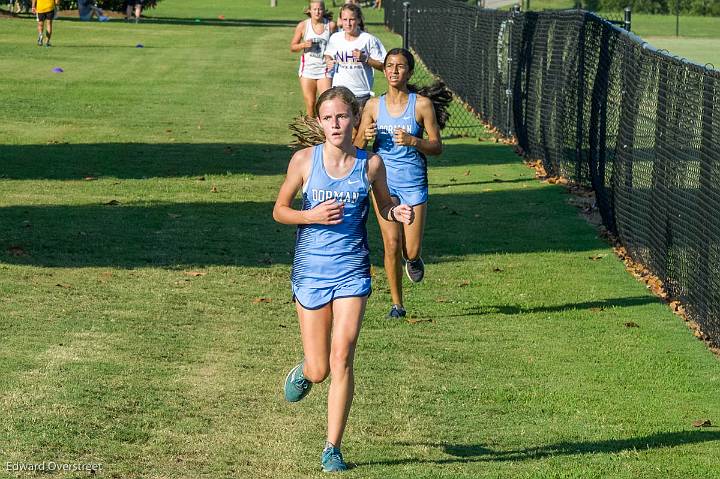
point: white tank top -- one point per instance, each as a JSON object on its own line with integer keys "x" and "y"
{"x": 312, "y": 60}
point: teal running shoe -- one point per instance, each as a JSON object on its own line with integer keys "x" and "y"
{"x": 332, "y": 460}
{"x": 296, "y": 386}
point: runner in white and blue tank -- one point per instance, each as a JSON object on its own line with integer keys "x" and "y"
{"x": 333, "y": 261}
{"x": 310, "y": 39}
{"x": 405, "y": 166}
{"x": 398, "y": 122}
{"x": 331, "y": 268}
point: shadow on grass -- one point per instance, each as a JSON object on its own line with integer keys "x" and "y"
{"x": 199, "y": 21}
{"x": 468, "y": 453}
{"x": 62, "y": 161}
{"x": 597, "y": 306}
{"x": 140, "y": 160}
{"x": 138, "y": 234}
{"x": 486, "y": 182}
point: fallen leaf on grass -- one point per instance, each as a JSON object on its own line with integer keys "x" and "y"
{"x": 282, "y": 326}
{"x": 597, "y": 310}
{"x": 262, "y": 300}
{"x": 441, "y": 300}
{"x": 702, "y": 423}
{"x": 597, "y": 257}
{"x": 200, "y": 178}
{"x": 465, "y": 283}
{"x": 112, "y": 203}
{"x": 497, "y": 270}
{"x": 416, "y": 321}
{"x": 632, "y": 324}
{"x": 213, "y": 189}
{"x": 63, "y": 285}
{"x": 467, "y": 173}
{"x": 195, "y": 273}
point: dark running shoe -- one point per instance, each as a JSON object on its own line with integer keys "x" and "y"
{"x": 396, "y": 312}
{"x": 332, "y": 460}
{"x": 415, "y": 269}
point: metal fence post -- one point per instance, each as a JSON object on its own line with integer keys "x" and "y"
{"x": 406, "y": 25}
{"x": 580, "y": 120}
{"x": 628, "y": 18}
{"x": 508, "y": 70}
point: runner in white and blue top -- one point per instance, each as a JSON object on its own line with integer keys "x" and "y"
{"x": 405, "y": 166}
{"x": 333, "y": 261}
{"x": 353, "y": 54}
{"x": 310, "y": 38}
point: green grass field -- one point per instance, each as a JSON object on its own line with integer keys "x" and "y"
{"x": 145, "y": 309}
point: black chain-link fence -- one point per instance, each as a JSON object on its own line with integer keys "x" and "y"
{"x": 599, "y": 106}
{"x": 463, "y": 120}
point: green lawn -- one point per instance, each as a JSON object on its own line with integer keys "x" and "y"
{"x": 145, "y": 309}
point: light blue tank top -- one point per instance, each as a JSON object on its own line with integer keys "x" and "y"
{"x": 326, "y": 255}
{"x": 406, "y": 167}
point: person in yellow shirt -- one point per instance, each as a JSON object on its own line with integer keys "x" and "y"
{"x": 45, "y": 12}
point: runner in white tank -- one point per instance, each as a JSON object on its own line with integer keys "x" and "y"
{"x": 396, "y": 122}
{"x": 353, "y": 53}
{"x": 331, "y": 280}
{"x": 311, "y": 38}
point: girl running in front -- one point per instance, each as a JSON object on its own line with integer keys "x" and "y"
{"x": 353, "y": 53}
{"x": 311, "y": 37}
{"x": 331, "y": 267}
{"x": 396, "y": 122}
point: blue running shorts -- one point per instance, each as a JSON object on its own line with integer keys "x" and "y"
{"x": 410, "y": 196}
{"x": 316, "y": 298}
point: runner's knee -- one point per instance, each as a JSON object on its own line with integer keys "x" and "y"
{"x": 315, "y": 373}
